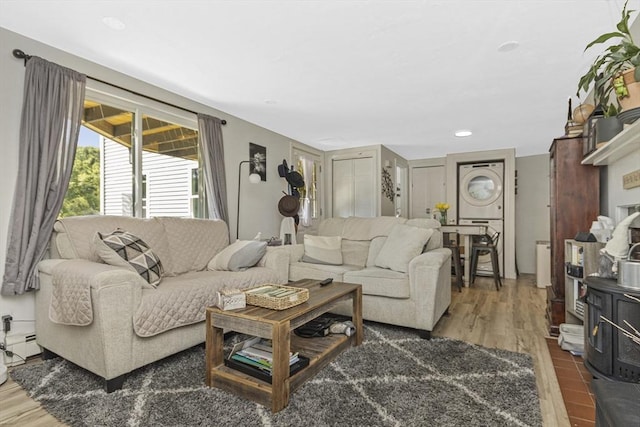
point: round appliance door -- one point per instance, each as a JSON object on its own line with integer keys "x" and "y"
{"x": 481, "y": 187}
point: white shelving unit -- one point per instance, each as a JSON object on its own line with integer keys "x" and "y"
{"x": 622, "y": 144}
{"x": 584, "y": 255}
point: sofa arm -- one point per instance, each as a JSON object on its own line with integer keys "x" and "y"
{"x": 79, "y": 286}
{"x": 277, "y": 258}
{"x": 46, "y": 266}
{"x": 433, "y": 258}
{"x": 94, "y": 274}
{"x": 104, "y": 346}
{"x": 430, "y": 282}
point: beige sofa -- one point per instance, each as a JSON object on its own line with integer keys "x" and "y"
{"x": 107, "y": 319}
{"x": 416, "y": 297}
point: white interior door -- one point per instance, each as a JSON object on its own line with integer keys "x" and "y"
{"x": 364, "y": 193}
{"x": 353, "y": 187}
{"x": 343, "y": 189}
{"x": 401, "y": 199}
{"x": 427, "y": 189}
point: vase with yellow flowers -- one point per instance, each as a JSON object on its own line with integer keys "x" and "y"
{"x": 443, "y": 208}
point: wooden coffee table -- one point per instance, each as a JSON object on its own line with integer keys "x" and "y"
{"x": 278, "y": 326}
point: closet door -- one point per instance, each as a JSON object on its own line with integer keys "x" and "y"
{"x": 343, "y": 189}
{"x": 353, "y": 187}
{"x": 364, "y": 183}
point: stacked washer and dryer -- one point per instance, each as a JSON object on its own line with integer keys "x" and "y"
{"x": 481, "y": 202}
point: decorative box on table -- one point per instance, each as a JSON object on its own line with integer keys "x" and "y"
{"x": 231, "y": 299}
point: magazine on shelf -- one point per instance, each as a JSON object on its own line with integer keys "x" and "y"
{"x": 255, "y": 357}
{"x": 262, "y": 374}
{"x": 258, "y": 350}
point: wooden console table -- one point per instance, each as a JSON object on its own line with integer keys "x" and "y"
{"x": 278, "y": 326}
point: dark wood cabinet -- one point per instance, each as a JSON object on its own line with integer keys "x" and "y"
{"x": 575, "y": 203}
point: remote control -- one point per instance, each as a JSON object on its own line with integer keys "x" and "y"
{"x": 326, "y": 282}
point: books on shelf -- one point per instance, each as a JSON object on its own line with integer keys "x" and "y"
{"x": 262, "y": 374}
{"x": 255, "y": 357}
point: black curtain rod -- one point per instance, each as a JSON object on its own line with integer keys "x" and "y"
{"x": 19, "y": 54}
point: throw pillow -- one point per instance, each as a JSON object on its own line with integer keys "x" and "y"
{"x": 322, "y": 249}
{"x": 238, "y": 256}
{"x": 125, "y": 249}
{"x": 403, "y": 244}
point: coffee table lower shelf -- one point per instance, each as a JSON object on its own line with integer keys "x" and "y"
{"x": 320, "y": 351}
{"x": 278, "y": 325}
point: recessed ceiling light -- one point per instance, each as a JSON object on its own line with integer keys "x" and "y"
{"x": 113, "y": 23}
{"x": 508, "y": 46}
{"x": 463, "y": 133}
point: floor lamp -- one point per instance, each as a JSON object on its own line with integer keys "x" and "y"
{"x": 254, "y": 178}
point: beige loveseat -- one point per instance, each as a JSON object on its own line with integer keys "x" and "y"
{"x": 414, "y": 295}
{"x": 108, "y": 319}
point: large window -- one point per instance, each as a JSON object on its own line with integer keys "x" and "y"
{"x": 83, "y": 195}
{"x": 144, "y": 164}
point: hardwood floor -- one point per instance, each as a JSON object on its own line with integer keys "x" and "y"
{"x": 511, "y": 319}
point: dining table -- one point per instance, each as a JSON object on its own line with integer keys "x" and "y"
{"x": 466, "y": 232}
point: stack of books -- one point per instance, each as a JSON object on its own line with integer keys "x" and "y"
{"x": 572, "y": 129}
{"x": 255, "y": 357}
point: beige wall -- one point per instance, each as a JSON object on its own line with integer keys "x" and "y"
{"x": 258, "y": 203}
{"x": 532, "y": 208}
{"x": 615, "y": 198}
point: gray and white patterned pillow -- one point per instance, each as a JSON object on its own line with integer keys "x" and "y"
{"x": 124, "y": 249}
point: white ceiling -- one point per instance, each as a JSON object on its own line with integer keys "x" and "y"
{"x": 337, "y": 74}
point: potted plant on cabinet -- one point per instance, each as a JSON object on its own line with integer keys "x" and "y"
{"x": 615, "y": 70}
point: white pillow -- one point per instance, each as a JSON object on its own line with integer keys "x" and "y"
{"x": 403, "y": 244}
{"x": 322, "y": 249}
{"x": 238, "y": 256}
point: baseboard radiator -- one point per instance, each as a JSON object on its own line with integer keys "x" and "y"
{"x": 22, "y": 346}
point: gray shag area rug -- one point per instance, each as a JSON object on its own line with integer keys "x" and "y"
{"x": 394, "y": 378}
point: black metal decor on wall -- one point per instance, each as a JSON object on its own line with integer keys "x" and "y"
{"x": 387, "y": 185}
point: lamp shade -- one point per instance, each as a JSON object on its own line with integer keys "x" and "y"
{"x": 254, "y": 178}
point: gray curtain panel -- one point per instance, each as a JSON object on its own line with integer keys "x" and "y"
{"x": 212, "y": 149}
{"x": 51, "y": 117}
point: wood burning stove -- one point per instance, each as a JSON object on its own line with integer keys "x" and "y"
{"x": 608, "y": 353}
